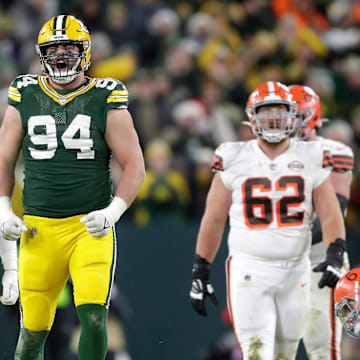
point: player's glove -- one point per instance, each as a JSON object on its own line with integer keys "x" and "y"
{"x": 332, "y": 264}
{"x": 98, "y": 223}
{"x": 11, "y": 226}
{"x": 201, "y": 286}
{"x": 10, "y": 287}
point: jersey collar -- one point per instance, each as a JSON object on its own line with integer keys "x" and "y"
{"x": 63, "y": 99}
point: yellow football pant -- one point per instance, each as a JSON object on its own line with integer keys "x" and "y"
{"x": 52, "y": 249}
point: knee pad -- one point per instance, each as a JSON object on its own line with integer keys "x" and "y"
{"x": 38, "y": 312}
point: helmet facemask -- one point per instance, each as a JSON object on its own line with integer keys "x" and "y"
{"x": 62, "y": 68}
{"x": 347, "y": 311}
{"x": 304, "y": 130}
{"x": 272, "y": 126}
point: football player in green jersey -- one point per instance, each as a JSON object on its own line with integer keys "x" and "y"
{"x": 67, "y": 126}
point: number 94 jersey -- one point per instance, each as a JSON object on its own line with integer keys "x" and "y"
{"x": 271, "y": 211}
{"x": 65, "y": 153}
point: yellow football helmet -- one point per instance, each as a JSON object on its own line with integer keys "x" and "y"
{"x": 64, "y": 30}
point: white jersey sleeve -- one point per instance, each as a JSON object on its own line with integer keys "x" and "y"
{"x": 322, "y": 161}
{"x": 342, "y": 155}
{"x": 223, "y": 159}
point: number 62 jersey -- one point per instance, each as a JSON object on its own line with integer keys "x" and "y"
{"x": 66, "y": 158}
{"x": 271, "y": 211}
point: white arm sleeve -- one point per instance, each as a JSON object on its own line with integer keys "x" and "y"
{"x": 8, "y": 254}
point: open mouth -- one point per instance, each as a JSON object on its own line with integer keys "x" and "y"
{"x": 61, "y": 65}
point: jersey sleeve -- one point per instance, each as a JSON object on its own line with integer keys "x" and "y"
{"x": 14, "y": 94}
{"x": 322, "y": 163}
{"x": 117, "y": 97}
{"x": 19, "y": 86}
{"x": 222, "y": 160}
{"x": 342, "y": 159}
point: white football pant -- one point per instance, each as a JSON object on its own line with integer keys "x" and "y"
{"x": 323, "y": 333}
{"x": 268, "y": 303}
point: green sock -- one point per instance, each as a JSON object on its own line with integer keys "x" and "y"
{"x": 93, "y": 338}
{"x": 30, "y": 345}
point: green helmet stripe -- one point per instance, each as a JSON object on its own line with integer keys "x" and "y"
{"x": 63, "y": 26}
{"x": 54, "y": 25}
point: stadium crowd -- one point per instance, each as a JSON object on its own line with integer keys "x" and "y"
{"x": 189, "y": 66}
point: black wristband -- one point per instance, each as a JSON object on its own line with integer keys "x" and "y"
{"x": 201, "y": 268}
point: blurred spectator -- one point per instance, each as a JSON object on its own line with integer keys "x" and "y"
{"x": 163, "y": 28}
{"x": 339, "y": 130}
{"x": 348, "y": 92}
{"x": 200, "y": 28}
{"x": 180, "y": 66}
{"x": 305, "y": 11}
{"x": 28, "y": 15}
{"x": 164, "y": 194}
{"x": 118, "y": 25}
{"x": 191, "y": 129}
{"x": 150, "y": 103}
{"x": 91, "y": 12}
{"x": 249, "y": 16}
{"x": 224, "y": 116}
{"x": 344, "y": 35}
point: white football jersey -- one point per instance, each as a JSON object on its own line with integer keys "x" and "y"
{"x": 271, "y": 212}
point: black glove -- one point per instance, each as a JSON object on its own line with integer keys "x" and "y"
{"x": 201, "y": 286}
{"x": 332, "y": 264}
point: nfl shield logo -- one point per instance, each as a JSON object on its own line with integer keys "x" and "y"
{"x": 62, "y": 100}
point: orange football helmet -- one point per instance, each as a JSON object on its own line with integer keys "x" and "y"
{"x": 308, "y": 110}
{"x": 346, "y": 296}
{"x": 276, "y": 126}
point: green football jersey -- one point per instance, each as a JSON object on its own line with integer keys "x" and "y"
{"x": 67, "y": 160}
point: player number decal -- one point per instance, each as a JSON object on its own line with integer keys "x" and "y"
{"x": 25, "y": 81}
{"x": 258, "y": 210}
{"x": 107, "y": 83}
{"x": 42, "y": 132}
